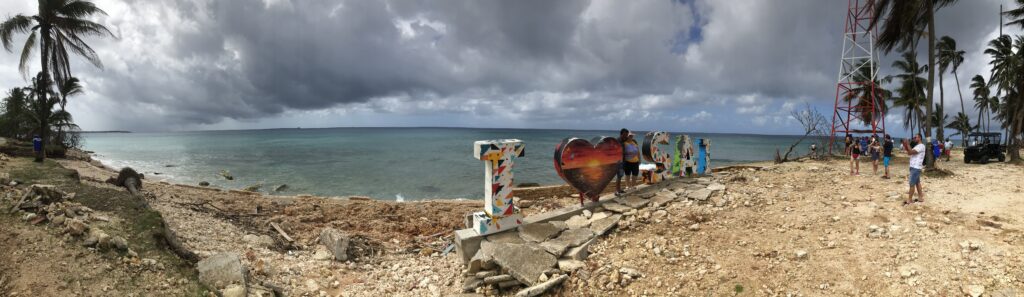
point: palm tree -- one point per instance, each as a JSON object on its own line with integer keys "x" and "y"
{"x": 910, "y": 95}
{"x": 982, "y": 99}
{"x": 962, "y": 125}
{"x": 59, "y": 27}
{"x": 70, "y": 87}
{"x": 904, "y": 22}
{"x": 862, "y": 92}
{"x": 1007, "y": 74}
{"x": 1016, "y": 15}
{"x": 15, "y": 121}
{"x": 950, "y": 56}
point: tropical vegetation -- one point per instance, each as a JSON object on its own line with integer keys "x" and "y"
{"x": 56, "y": 31}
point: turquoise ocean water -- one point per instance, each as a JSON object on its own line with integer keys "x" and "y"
{"x": 384, "y": 163}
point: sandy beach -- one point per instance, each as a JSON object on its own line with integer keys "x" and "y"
{"x": 803, "y": 228}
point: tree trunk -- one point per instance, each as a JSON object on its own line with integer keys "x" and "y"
{"x": 940, "y": 130}
{"x": 929, "y": 158}
{"x": 44, "y": 51}
{"x": 961, "y": 93}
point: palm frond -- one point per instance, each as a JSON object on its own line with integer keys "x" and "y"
{"x": 26, "y": 53}
{"x": 81, "y": 27}
{"x": 1016, "y": 15}
{"x": 16, "y": 24}
{"x": 79, "y": 9}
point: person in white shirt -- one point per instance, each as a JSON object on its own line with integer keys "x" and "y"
{"x": 949, "y": 149}
{"x": 916, "y": 166}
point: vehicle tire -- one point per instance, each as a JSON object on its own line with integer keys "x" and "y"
{"x": 1002, "y": 158}
{"x": 967, "y": 160}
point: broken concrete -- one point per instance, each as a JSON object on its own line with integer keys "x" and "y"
{"x": 663, "y": 198}
{"x": 505, "y": 237}
{"x": 577, "y": 222}
{"x": 600, "y": 227}
{"x": 634, "y": 202}
{"x": 524, "y": 262}
{"x": 580, "y": 252}
{"x": 538, "y": 232}
{"x": 484, "y": 258}
{"x": 700, "y": 195}
{"x": 617, "y": 208}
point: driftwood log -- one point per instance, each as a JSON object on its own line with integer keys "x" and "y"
{"x": 174, "y": 244}
{"x": 129, "y": 179}
{"x": 132, "y": 180}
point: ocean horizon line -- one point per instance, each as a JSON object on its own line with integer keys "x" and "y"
{"x": 431, "y": 127}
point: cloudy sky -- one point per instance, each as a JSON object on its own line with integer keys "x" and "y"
{"x": 701, "y": 65}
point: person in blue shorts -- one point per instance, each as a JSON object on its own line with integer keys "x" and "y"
{"x": 887, "y": 154}
{"x": 916, "y": 151}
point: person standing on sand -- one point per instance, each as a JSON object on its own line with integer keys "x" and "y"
{"x": 916, "y": 166}
{"x": 947, "y": 149}
{"x": 623, "y": 134}
{"x": 855, "y": 159}
{"x": 37, "y": 147}
{"x": 875, "y": 149}
{"x": 887, "y": 155}
{"x": 848, "y": 150}
{"x": 631, "y": 160}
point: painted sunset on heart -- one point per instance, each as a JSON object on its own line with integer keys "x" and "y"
{"x": 587, "y": 167}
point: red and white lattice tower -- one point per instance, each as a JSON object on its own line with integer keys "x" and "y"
{"x": 858, "y": 53}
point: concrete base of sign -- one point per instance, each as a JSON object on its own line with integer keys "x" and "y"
{"x": 467, "y": 241}
{"x": 484, "y": 224}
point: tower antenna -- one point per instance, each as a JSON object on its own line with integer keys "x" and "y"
{"x": 866, "y": 116}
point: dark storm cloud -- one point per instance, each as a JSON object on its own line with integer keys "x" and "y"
{"x": 183, "y": 63}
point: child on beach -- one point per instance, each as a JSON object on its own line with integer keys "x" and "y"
{"x": 875, "y": 149}
{"x": 887, "y": 155}
{"x": 848, "y": 150}
{"x": 916, "y": 166}
{"x": 855, "y": 159}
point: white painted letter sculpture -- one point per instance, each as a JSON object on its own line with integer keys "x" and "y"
{"x": 652, "y": 153}
{"x": 500, "y": 213}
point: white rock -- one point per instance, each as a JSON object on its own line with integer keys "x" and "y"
{"x": 587, "y": 213}
{"x": 694, "y": 227}
{"x": 801, "y": 254}
{"x": 974, "y": 290}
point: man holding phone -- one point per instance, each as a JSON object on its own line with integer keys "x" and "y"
{"x": 916, "y": 151}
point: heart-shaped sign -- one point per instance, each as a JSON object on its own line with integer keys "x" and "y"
{"x": 588, "y": 167}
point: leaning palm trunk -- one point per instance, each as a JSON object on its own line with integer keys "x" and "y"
{"x": 929, "y": 158}
{"x": 44, "y": 127}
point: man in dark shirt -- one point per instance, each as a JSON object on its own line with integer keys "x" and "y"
{"x": 887, "y": 154}
{"x": 618, "y": 181}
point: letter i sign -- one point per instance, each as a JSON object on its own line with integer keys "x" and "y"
{"x": 499, "y": 212}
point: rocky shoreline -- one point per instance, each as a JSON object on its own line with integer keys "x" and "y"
{"x": 764, "y": 228}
